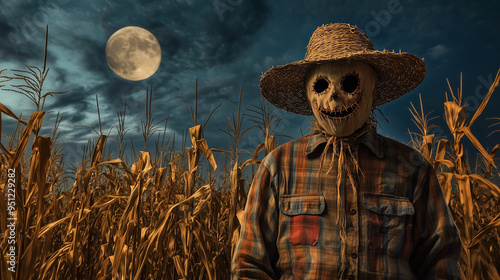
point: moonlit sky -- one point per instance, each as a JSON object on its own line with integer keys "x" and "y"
{"x": 227, "y": 48}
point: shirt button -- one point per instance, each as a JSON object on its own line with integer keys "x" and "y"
{"x": 353, "y": 212}
{"x": 354, "y": 255}
{"x": 350, "y": 277}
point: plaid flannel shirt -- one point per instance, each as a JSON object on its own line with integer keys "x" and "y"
{"x": 398, "y": 226}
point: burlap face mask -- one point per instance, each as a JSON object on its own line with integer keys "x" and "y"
{"x": 341, "y": 95}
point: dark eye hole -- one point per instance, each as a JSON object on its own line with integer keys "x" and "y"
{"x": 350, "y": 83}
{"x": 321, "y": 85}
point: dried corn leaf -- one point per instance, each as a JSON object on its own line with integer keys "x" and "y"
{"x": 203, "y": 147}
{"x": 235, "y": 176}
{"x": 492, "y": 271}
{"x": 249, "y": 162}
{"x": 52, "y": 225}
{"x": 159, "y": 177}
{"x": 447, "y": 163}
{"x": 5, "y": 110}
{"x": 466, "y": 200}
{"x": 179, "y": 266}
{"x": 96, "y": 158}
{"x": 486, "y": 184}
{"x": 427, "y": 143}
{"x": 115, "y": 162}
{"x": 441, "y": 149}
{"x": 494, "y": 150}
{"x": 441, "y": 153}
{"x": 3, "y": 205}
{"x": 34, "y": 121}
{"x": 219, "y": 151}
{"x": 204, "y": 253}
{"x": 161, "y": 227}
{"x": 8, "y": 154}
{"x": 193, "y": 158}
{"x": 202, "y": 203}
{"x": 173, "y": 171}
{"x": 240, "y": 215}
{"x": 42, "y": 145}
{"x": 99, "y": 204}
{"x": 99, "y": 147}
{"x": 257, "y": 150}
{"x": 478, "y": 145}
{"x": 455, "y": 115}
{"x": 269, "y": 143}
{"x": 445, "y": 182}
{"x": 184, "y": 236}
{"x": 493, "y": 224}
{"x": 143, "y": 164}
{"x": 195, "y": 133}
{"x": 485, "y": 101}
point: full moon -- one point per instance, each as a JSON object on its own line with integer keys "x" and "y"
{"x": 133, "y": 53}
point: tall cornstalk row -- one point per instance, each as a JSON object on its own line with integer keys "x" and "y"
{"x": 116, "y": 222}
{"x": 153, "y": 219}
{"x": 470, "y": 192}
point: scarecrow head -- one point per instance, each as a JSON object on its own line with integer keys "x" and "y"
{"x": 340, "y": 94}
{"x": 341, "y": 79}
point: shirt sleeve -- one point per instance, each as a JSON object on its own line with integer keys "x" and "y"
{"x": 437, "y": 244}
{"x": 256, "y": 253}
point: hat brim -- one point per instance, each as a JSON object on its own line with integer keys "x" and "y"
{"x": 397, "y": 74}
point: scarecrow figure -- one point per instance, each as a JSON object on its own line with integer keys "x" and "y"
{"x": 345, "y": 202}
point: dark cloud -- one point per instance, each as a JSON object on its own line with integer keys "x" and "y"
{"x": 191, "y": 33}
{"x": 93, "y": 55}
{"x": 13, "y": 45}
{"x": 75, "y": 99}
{"x": 6, "y": 28}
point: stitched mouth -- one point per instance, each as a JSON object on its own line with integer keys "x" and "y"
{"x": 341, "y": 113}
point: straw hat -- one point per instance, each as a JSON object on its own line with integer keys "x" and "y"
{"x": 397, "y": 73}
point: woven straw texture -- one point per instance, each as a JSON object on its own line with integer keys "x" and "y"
{"x": 397, "y": 73}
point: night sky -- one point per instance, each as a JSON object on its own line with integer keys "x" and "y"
{"x": 228, "y": 43}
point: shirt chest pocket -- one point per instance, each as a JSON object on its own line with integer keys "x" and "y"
{"x": 302, "y": 217}
{"x": 389, "y": 223}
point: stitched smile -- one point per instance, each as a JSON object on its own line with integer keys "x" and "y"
{"x": 341, "y": 113}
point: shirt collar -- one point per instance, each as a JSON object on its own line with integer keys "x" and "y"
{"x": 370, "y": 139}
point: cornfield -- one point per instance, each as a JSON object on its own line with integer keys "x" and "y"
{"x": 471, "y": 194}
{"x": 174, "y": 214}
